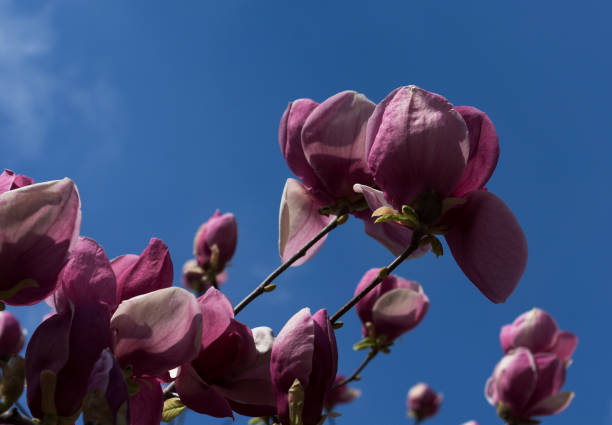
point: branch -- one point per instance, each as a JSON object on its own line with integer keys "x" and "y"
{"x": 362, "y": 366}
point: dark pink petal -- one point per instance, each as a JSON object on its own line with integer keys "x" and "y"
{"x": 11, "y": 181}
{"x": 87, "y": 278}
{"x": 217, "y": 315}
{"x": 290, "y": 140}
{"x": 199, "y": 396}
{"x": 340, "y": 395}
{"x": 299, "y": 221}
{"x": 107, "y": 378}
{"x": 292, "y": 358}
{"x": 488, "y": 244}
{"x": 564, "y": 345}
{"x": 484, "y": 150}
{"x": 333, "y": 139}
{"x": 137, "y": 275}
{"x": 551, "y": 377}
{"x": 399, "y": 311}
{"x": 147, "y": 404}
{"x": 220, "y": 230}
{"x": 534, "y": 329}
{"x": 40, "y": 224}
{"x": 553, "y": 404}
{"x": 11, "y": 334}
{"x": 418, "y": 142}
{"x": 516, "y": 379}
{"x": 158, "y": 331}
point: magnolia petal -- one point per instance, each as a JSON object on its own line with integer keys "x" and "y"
{"x": 552, "y": 405}
{"x": 147, "y": 404}
{"x": 488, "y": 244}
{"x": 290, "y": 140}
{"x": 137, "y": 275}
{"x": 217, "y": 315}
{"x": 158, "y": 331}
{"x": 12, "y": 336}
{"x": 299, "y": 221}
{"x": 417, "y": 142}
{"x": 484, "y": 150}
{"x": 398, "y": 311}
{"x": 11, "y": 181}
{"x": 333, "y": 139}
{"x": 516, "y": 378}
{"x": 40, "y": 225}
{"x": 491, "y": 392}
{"x": 252, "y": 397}
{"x": 564, "y": 345}
{"x": 534, "y": 329}
{"x": 551, "y": 377}
{"x": 199, "y": 396}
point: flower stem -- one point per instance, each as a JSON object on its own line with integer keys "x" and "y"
{"x": 373, "y": 352}
{"x": 414, "y": 244}
{"x": 339, "y": 219}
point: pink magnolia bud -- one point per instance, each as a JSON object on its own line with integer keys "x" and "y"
{"x": 11, "y": 334}
{"x": 394, "y": 307}
{"x": 342, "y": 394}
{"x": 215, "y": 241}
{"x": 304, "y": 350}
{"x": 10, "y": 181}
{"x": 422, "y": 402}
{"x": 525, "y": 385}
{"x": 538, "y": 331}
{"x": 470, "y": 423}
{"x": 40, "y": 225}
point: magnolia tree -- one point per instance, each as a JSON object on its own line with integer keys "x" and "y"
{"x": 413, "y": 168}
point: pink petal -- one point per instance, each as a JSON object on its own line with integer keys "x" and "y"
{"x": 551, "y": 377}
{"x": 333, "y": 139}
{"x": 107, "y": 377}
{"x": 564, "y": 345}
{"x": 299, "y": 221}
{"x": 137, "y": 275}
{"x": 516, "y": 378}
{"x": 534, "y": 329}
{"x": 488, "y": 244}
{"x": 147, "y": 404}
{"x": 290, "y": 140}
{"x": 399, "y": 311}
{"x": 491, "y": 392}
{"x": 199, "y": 396}
{"x": 11, "y": 181}
{"x": 40, "y": 224}
{"x": 158, "y": 331}
{"x": 484, "y": 150}
{"x": 11, "y": 334}
{"x": 552, "y": 405}
{"x": 418, "y": 142}
{"x": 217, "y": 315}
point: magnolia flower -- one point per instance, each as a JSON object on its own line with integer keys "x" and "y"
{"x": 393, "y": 307}
{"x": 340, "y": 395}
{"x": 11, "y": 335}
{"x": 215, "y": 241}
{"x": 40, "y": 225}
{"x": 525, "y": 385}
{"x": 426, "y": 154}
{"x": 303, "y": 366}
{"x": 232, "y": 369}
{"x": 324, "y": 145}
{"x": 538, "y": 331}
{"x": 10, "y": 181}
{"x": 422, "y": 402}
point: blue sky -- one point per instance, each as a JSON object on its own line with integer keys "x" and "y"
{"x": 163, "y": 112}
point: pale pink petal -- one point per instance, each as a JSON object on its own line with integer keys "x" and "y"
{"x": 398, "y": 311}
{"x": 564, "y": 345}
{"x": 158, "y": 331}
{"x": 333, "y": 139}
{"x": 488, "y": 244}
{"x": 199, "y": 396}
{"x": 484, "y": 150}
{"x": 147, "y": 404}
{"x": 516, "y": 378}
{"x": 552, "y": 405}
{"x": 299, "y": 221}
{"x": 534, "y": 329}
{"x": 491, "y": 392}
{"x": 419, "y": 143}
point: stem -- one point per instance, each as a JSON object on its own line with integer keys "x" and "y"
{"x": 169, "y": 391}
{"x": 414, "y": 244}
{"x": 13, "y": 417}
{"x": 373, "y": 352}
{"x": 260, "y": 289}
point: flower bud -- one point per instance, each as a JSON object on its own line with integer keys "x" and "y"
{"x": 394, "y": 307}
{"x": 422, "y": 401}
{"x": 11, "y": 334}
{"x": 215, "y": 241}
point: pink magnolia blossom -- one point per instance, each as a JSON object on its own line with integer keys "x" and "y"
{"x": 422, "y": 401}
{"x": 220, "y": 232}
{"x": 340, "y": 395}
{"x": 324, "y": 145}
{"x": 394, "y": 307}
{"x": 232, "y": 370}
{"x": 40, "y": 225}
{"x": 10, "y": 181}
{"x": 470, "y": 423}
{"x": 305, "y": 349}
{"x": 419, "y": 144}
{"x": 538, "y": 331}
{"x": 11, "y": 335}
{"x": 525, "y": 385}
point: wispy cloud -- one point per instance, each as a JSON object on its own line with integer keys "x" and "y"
{"x": 34, "y": 92}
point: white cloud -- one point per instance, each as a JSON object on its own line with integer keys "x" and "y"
{"x": 33, "y": 92}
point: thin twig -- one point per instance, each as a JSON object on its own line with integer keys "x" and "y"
{"x": 13, "y": 417}
{"x": 414, "y": 244}
{"x": 362, "y": 366}
{"x": 339, "y": 219}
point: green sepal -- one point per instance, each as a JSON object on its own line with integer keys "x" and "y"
{"x": 365, "y": 343}
{"x": 436, "y": 245}
{"x": 256, "y": 421}
{"x": 172, "y": 408}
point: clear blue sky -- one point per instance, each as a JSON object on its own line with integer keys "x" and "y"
{"x": 163, "y": 112}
